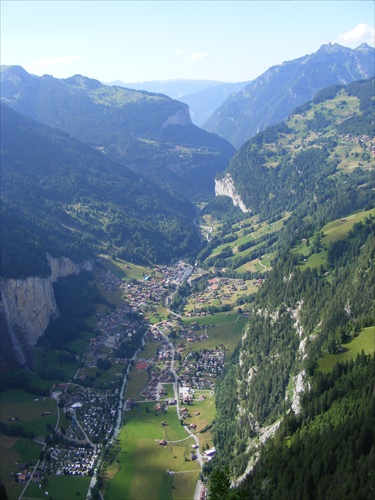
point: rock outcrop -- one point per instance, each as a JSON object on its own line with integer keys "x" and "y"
{"x": 31, "y": 302}
{"x": 181, "y": 118}
{"x": 225, "y": 187}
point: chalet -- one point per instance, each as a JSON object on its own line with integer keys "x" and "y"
{"x": 210, "y": 453}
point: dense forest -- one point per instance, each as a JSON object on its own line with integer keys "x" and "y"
{"x": 60, "y": 196}
{"x": 322, "y": 423}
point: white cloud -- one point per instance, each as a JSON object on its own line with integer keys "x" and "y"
{"x": 188, "y": 56}
{"x": 56, "y": 61}
{"x": 197, "y": 56}
{"x": 362, "y": 33}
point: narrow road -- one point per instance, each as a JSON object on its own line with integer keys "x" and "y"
{"x": 199, "y": 485}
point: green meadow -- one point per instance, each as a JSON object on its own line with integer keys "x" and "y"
{"x": 137, "y": 468}
{"x": 59, "y": 488}
{"x": 365, "y": 341}
{"x": 227, "y": 333}
{"x": 339, "y": 229}
{"x": 21, "y": 405}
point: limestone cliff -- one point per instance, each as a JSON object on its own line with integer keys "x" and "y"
{"x": 181, "y": 118}
{"x": 225, "y": 187}
{"x": 30, "y": 302}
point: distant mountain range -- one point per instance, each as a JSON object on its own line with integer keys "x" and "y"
{"x": 202, "y": 96}
{"x": 272, "y": 96}
{"x": 152, "y": 133}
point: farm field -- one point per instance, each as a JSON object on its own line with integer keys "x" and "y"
{"x": 139, "y": 463}
{"x": 12, "y": 450}
{"x": 365, "y": 341}
{"x": 28, "y": 412}
{"x": 60, "y": 488}
{"x": 223, "y": 332}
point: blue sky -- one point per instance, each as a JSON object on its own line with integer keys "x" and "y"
{"x": 142, "y": 40}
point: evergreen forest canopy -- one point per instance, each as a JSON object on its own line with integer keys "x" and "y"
{"x": 62, "y": 197}
{"x": 151, "y": 133}
{"x": 319, "y": 166}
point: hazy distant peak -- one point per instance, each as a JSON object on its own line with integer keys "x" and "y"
{"x": 83, "y": 81}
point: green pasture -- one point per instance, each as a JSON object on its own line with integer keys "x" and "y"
{"x": 136, "y": 382}
{"x": 142, "y": 462}
{"x": 159, "y": 313}
{"x": 365, "y": 341}
{"x": 18, "y": 404}
{"x": 213, "y": 319}
{"x": 45, "y": 359}
{"x": 60, "y": 488}
{"x": 169, "y": 388}
{"x": 125, "y": 270}
{"x": 315, "y": 260}
{"x": 113, "y": 374}
{"x": 338, "y": 229}
{"x": 207, "y": 411}
{"x": 12, "y": 450}
{"x": 227, "y": 334}
{"x": 28, "y": 450}
{"x": 150, "y": 350}
{"x": 8, "y": 457}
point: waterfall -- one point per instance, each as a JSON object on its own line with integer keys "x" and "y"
{"x": 17, "y": 348}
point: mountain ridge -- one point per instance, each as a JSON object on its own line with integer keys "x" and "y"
{"x": 273, "y": 95}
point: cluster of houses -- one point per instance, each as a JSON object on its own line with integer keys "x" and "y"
{"x": 200, "y": 370}
{"x": 94, "y": 409}
{"x": 351, "y": 139}
{"x": 219, "y": 289}
{"x": 152, "y": 289}
{"x": 73, "y": 462}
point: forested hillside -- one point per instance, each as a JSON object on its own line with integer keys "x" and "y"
{"x": 299, "y": 425}
{"x": 272, "y": 96}
{"x": 151, "y": 133}
{"x": 62, "y": 197}
{"x": 292, "y": 163}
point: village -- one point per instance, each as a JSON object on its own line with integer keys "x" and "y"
{"x": 91, "y": 407}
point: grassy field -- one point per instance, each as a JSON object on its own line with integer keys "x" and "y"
{"x": 125, "y": 270}
{"x": 46, "y": 359}
{"x": 139, "y": 469}
{"x": 206, "y": 410}
{"x": 12, "y": 450}
{"x": 227, "y": 333}
{"x": 21, "y": 405}
{"x": 334, "y": 231}
{"x": 365, "y": 341}
{"x": 338, "y": 229}
{"x": 60, "y": 488}
{"x": 137, "y": 380}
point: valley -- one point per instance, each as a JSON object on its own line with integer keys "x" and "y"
{"x": 165, "y": 343}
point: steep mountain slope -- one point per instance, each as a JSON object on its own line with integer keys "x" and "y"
{"x": 272, "y": 96}
{"x": 204, "y": 103}
{"x": 152, "y": 133}
{"x": 319, "y": 296}
{"x": 62, "y": 197}
{"x": 284, "y": 165}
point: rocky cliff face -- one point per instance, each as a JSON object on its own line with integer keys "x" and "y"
{"x": 181, "y": 118}
{"x": 226, "y": 187}
{"x": 30, "y": 303}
